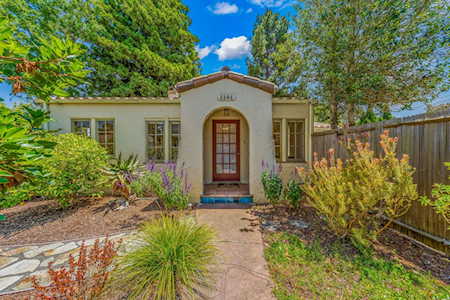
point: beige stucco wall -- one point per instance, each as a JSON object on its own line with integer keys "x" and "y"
{"x": 208, "y": 146}
{"x": 130, "y": 128}
{"x": 196, "y": 109}
{"x": 255, "y": 106}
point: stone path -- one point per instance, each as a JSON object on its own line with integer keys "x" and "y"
{"x": 241, "y": 271}
{"x": 18, "y": 263}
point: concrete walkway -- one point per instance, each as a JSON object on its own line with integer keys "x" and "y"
{"x": 241, "y": 268}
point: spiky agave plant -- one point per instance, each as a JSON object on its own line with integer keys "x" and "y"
{"x": 172, "y": 261}
{"x": 122, "y": 172}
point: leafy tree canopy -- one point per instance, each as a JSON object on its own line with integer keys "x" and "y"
{"x": 134, "y": 48}
{"x": 354, "y": 56}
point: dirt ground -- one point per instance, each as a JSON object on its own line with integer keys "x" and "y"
{"x": 44, "y": 221}
{"x": 391, "y": 244}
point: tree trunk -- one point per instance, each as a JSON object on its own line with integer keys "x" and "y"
{"x": 351, "y": 117}
{"x": 333, "y": 113}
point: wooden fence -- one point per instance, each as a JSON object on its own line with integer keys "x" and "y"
{"x": 426, "y": 139}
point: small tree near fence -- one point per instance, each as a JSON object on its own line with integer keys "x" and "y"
{"x": 354, "y": 195}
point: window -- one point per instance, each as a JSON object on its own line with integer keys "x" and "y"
{"x": 82, "y": 127}
{"x": 276, "y": 127}
{"x": 155, "y": 140}
{"x": 174, "y": 139}
{"x": 105, "y": 134}
{"x": 295, "y": 140}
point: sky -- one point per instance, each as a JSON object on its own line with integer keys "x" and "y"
{"x": 224, "y": 28}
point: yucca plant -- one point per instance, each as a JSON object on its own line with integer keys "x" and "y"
{"x": 122, "y": 172}
{"x": 172, "y": 261}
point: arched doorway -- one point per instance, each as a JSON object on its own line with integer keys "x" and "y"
{"x": 226, "y": 153}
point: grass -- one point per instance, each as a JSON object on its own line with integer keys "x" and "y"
{"x": 172, "y": 261}
{"x": 306, "y": 272}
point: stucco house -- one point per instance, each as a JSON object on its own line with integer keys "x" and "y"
{"x": 222, "y": 126}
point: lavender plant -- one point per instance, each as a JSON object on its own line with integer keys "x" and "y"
{"x": 272, "y": 183}
{"x": 166, "y": 182}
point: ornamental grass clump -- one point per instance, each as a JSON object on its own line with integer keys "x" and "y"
{"x": 354, "y": 196}
{"x": 172, "y": 260}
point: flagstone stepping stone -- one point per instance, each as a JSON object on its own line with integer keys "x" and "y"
{"x": 42, "y": 277}
{"x": 7, "y": 281}
{"x": 23, "y": 266}
{"x": 62, "y": 249}
{"x": 33, "y": 252}
{"x": 5, "y": 260}
{"x": 17, "y": 251}
{"x": 45, "y": 262}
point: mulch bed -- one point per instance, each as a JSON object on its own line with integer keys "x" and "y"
{"x": 390, "y": 245}
{"x": 45, "y": 221}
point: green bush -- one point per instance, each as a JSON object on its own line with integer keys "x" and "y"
{"x": 76, "y": 169}
{"x": 353, "y": 196}
{"x": 272, "y": 184}
{"x": 15, "y": 195}
{"x": 293, "y": 193}
{"x": 440, "y": 199}
{"x": 172, "y": 261}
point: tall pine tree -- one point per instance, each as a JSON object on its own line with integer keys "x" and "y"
{"x": 269, "y": 32}
{"x": 134, "y": 47}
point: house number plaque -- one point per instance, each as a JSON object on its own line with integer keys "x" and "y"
{"x": 227, "y": 97}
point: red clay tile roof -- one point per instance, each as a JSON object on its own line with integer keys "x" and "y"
{"x": 241, "y": 78}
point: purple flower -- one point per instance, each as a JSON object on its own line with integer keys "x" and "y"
{"x": 151, "y": 166}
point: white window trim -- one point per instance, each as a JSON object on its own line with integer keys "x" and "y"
{"x": 166, "y": 137}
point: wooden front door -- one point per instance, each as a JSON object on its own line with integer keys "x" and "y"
{"x": 226, "y": 156}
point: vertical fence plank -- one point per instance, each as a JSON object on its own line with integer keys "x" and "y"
{"x": 426, "y": 140}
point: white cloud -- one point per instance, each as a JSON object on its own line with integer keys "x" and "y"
{"x": 205, "y": 51}
{"x": 270, "y": 3}
{"x": 224, "y": 8}
{"x": 231, "y": 48}
{"x": 248, "y": 11}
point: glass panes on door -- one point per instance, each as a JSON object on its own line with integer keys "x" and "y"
{"x": 296, "y": 140}
{"x": 226, "y": 150}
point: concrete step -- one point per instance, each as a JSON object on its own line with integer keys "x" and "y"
{"x": 226, "y": 199}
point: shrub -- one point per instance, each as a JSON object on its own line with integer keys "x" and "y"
{"x": 440, "y": 199}
{"x": 76, "y": 169}
{"x": 172, "y": 261}
{"x": 122, "y": 172}
{"x": 14, "y": 196}
{"x": 272, "y": 184}
{"x": 352, "y": 196}
{"x": 166, "y": 183}
{"x": 85, "y": 278}
{"x": 293, "y": 193}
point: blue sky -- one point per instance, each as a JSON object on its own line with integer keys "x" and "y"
{"x": 224, "y": 28}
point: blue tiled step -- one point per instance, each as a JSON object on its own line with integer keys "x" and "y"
{"x": 226, "y": 199}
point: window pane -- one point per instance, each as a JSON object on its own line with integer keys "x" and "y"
{"x": 155, "y": 138}
{"x": 276, "y": 127}
{"x": 296, "y": 145}
{"x": 105, "y": 134}
{"x": 175, "y": 137}
{"x": 82, "y": 127}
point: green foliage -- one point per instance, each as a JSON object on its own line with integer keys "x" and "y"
{"x": 15, "y": 195}
{"x": 75, "y": 169}
{"x": 166, "y": 183}
{"x": 42, "y": 69}
{"x": 273, "y": 185}
{"x": 353, "y": 196}
{"x": 304, "y": 271}
{"x": 269, "y": 32}
{"x": 122, "y": 171}
{"x": 22, "y": 144}
{"x": 440, "y": 199}
{"x": 355, "y": 55}
{"x": 293, "y": 193}
{"x": 172, "y": 261}
{"x": 135, "y": 48}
